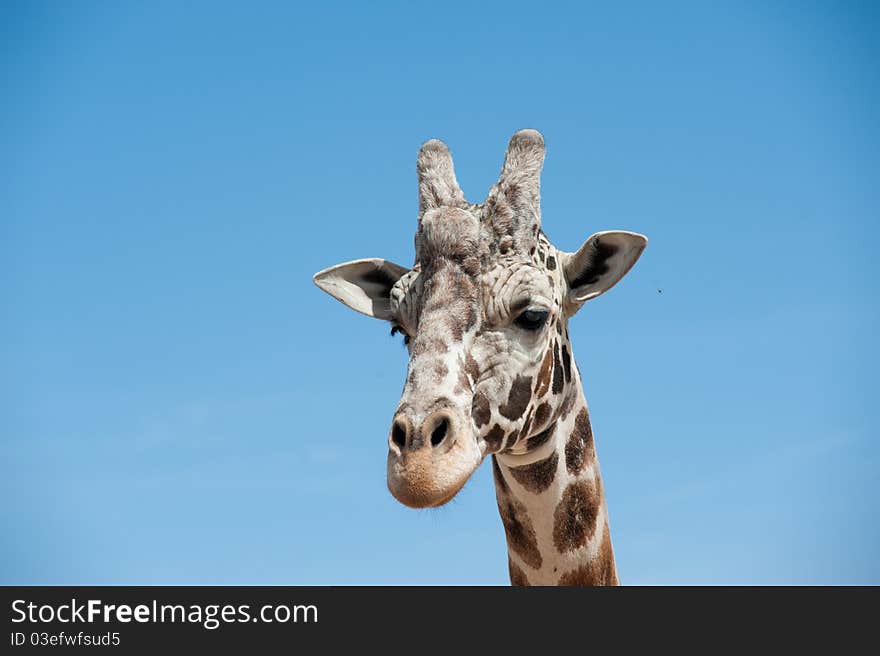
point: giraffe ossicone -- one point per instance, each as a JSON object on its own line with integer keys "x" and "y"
{"x": 484, "y": 311}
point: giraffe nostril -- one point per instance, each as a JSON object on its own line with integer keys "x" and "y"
{"x": 439, "y": 432}
{"x": 398, "y": 434}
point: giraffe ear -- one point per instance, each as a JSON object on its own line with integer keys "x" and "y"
{"x": 363, "y": 285}
{"x": 597, "y": 265}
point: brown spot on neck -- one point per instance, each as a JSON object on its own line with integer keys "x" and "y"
{"x": 541, "y": 438}
{"x": 517, "y": 576}
{"x": 574, "y": 520}
{"x": 519, "y": 531}
{"x": 537, "y": 476}
{"x": 601, "y": 570}
{"x": 568, "y": 403}
{"x": 580, "y": 449}
{"x": 566, "y": 363}
{"x": 542, "y": 415}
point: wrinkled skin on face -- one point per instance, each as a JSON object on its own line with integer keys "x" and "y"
{"x": 484, "y": 312}
{"x": 481, "y": 349}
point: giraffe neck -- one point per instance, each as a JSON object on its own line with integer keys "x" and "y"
{"x": 552, "y": 504}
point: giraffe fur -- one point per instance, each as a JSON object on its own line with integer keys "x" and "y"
{"x": 484, "y": 310}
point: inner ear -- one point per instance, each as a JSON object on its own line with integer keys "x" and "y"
{"x": 362, "y": 285}
{"x": 599, "y": 264}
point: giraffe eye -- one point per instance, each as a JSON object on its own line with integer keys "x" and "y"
{"x": 397, "y": 329}
{"x": 532, "y": 319}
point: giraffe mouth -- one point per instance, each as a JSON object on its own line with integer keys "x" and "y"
{"x": 427, "y": 478}
{"x": 445, "y": 499}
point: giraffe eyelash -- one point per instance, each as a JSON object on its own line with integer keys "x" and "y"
{"x": 397, "y": 329}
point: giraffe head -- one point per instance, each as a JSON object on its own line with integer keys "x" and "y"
{"x": 483, "y": 312}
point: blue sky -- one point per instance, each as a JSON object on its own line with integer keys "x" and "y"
{"x": 180, "y": 405}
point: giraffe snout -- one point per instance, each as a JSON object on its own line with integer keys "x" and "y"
{"x": 430, "y": 456}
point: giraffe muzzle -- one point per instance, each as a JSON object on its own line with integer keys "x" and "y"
{"x": 430, "y": 458}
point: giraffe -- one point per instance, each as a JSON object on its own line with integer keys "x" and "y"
{"x": 484, "y": 314}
